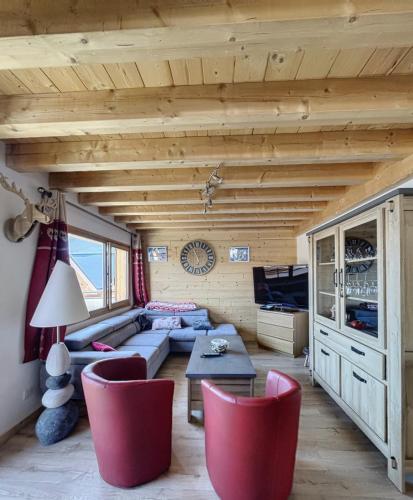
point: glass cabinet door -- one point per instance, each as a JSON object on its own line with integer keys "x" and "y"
{"x": 361, "y": 278}
{"x": 326, "y": 279}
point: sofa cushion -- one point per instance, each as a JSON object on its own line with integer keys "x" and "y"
{"x": 190, "y": 320}
{"x": 145, "y": 339}
{"x": 77, "y": 341}
{"x": 117, "y": 322}
{"x": 187, "y": 333}
{"x": 133, "y": 313}
{"x": 223, "y": 329}
{"x": 157, "y": 314}
{"x": 148, "y": 352}
{"x": 200, "y": 313}
{"x": 161, "y": 342}
{"x": 156, "y": 332}
{"x": 118, "y": 337}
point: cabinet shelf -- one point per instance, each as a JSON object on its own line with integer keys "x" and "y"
{"x": 326, "y": 263}
{"x": 364, "y": 259}
{"x": 330, "y": 294}
{"x": 362, "y": 299}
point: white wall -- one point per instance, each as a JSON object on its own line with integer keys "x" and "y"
{"x": 302, "y": 249}
{"x": 19, "y": 393}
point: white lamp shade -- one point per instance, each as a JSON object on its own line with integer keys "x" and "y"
{"x": 62, "y": 301}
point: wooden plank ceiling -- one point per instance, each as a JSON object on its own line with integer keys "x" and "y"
{"x": 306, "y": 106}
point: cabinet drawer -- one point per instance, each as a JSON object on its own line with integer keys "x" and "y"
{"x": 365, "y": 395}
{"x": 276, "y": 318}
{"x": 373, "y": 362}
{"x": 279, "y": 332}
{"x": 327, "y": 365}
{"x": 277, "y": 344}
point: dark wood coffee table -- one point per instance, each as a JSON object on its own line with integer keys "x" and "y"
{"x": 232, "y": 372}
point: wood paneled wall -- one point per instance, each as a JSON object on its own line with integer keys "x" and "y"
{"x": 227, "y": 291}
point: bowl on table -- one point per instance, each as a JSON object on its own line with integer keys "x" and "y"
{"x": 219, "y": 345}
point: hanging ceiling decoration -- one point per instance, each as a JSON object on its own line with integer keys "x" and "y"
{"x": 211, "y": 185}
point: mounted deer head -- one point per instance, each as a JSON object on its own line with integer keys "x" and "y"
{"x": 20, "y": 227}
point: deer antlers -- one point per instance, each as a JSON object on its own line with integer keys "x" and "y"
{"x": 21, "y": 226}
{"x": 13, "y": 189}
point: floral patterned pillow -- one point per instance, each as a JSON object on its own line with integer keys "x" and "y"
{"x": 168, "y": 323}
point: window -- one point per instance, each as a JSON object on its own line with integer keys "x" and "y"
{"x": 119, "y": 274}
{"x": 87, "y": 256}
{"x": 103, "y": 270}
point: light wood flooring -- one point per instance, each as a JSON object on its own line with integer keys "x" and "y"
{"x": 335, "y": 460}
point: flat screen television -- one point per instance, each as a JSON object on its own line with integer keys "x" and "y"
{"x": 285, "y": 286}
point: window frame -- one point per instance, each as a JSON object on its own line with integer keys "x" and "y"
{"x": 125, "y": 302}
{"x": 107, "y": 269}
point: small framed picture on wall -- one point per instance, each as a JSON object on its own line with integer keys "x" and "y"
{"x": 239, "y": 254}
{"x": 157, "y": 254}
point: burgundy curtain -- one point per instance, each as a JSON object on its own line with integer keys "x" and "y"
{"x": 140, "y": 294}
{"x": 52, "y": 246}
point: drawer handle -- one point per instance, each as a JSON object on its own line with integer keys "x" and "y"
{"x": 325, "y": 352}
{"x": 324, "y": 333}
{"x": 357, "y": 351}
{"x": 361, "y": 379}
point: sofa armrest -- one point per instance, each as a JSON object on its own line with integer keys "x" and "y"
{"x": 87, "y": 357}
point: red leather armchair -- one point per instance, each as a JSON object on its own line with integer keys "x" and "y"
{"x": 251, "y": 442}
{"x": 130, "y": 419}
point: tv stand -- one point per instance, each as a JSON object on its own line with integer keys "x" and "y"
{"x": 279, "y": 308}
{"x": 283, "y": 331}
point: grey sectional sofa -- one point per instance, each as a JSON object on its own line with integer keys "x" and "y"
{"x": 123, "y": 333}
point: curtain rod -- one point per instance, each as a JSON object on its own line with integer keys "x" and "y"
{"x": 98, "y": 217}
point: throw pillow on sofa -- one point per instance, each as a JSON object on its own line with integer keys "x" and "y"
{"x": 143, "y": 322}
{"x": 169, "y": 323}
{"x": 98, "y": 346}
{"x": 202, "y": 324}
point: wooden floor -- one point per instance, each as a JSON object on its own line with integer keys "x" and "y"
{"x": 335, "y": 460}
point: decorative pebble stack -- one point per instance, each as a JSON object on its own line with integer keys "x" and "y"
{"x": 61, "y": 415}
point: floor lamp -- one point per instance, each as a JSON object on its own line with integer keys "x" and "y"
{"x": 61, "y": 304}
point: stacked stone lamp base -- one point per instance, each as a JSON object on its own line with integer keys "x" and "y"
{"x": 61, "y": 415}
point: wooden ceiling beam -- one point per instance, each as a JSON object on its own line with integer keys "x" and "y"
{"x": 283, "y": 219}
{"x": 285, "y": 230}
{"x": 234, "y": 178}
{"x": 251, "y": 150}
{"x": 217, "y": 208}
{"x": 192, "y": 197}
{"x": 331, "y": 102}
{"x": 386, "y": 176}
{"x": 248, "y": 233}
{"x": 43, "y": 34}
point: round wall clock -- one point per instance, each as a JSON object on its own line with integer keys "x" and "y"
{"x": 358, "y": 248}
{"x": 197, "y": 257}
